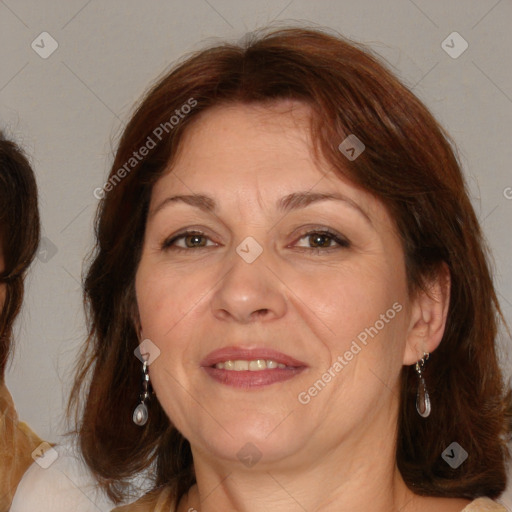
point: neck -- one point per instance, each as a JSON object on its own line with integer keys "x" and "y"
{"x": 355, "y": 476}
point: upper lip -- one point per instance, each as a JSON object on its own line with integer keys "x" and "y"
{"x": 239, "y": 353}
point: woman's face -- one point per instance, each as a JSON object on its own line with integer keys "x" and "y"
{"x": 263, "y": 275}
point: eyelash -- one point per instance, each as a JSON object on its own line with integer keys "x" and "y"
{"x": 333, "y": 236}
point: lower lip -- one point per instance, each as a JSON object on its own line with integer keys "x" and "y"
{"x": 248, "y": 379}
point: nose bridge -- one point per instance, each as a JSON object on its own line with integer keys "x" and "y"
{"x": 249, "y": 289}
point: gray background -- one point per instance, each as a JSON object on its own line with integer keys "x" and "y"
{"x": 68, "y": 110}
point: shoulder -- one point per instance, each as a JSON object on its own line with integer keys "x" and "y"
{"x": 17, "y": 443}
{"x": 484, "y": 505}
{"x": 59, "y": 482}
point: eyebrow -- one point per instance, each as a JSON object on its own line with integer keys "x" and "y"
{"x": 293, "y": 201}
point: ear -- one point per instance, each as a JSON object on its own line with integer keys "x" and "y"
{"x": 429, "y": 310}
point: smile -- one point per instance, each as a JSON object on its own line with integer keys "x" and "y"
{"x": 254, "y": 365}
{"x": 250, "y": 368}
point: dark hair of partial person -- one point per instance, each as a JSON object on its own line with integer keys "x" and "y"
{"x": 19, "y": 234}
{"x": 409, "y": 164}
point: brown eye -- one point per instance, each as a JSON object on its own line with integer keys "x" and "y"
{"x": 187, "y": 240}
{"x": 194, "y": 241}
{"x": 323, "y": 240}
{"x": 320, "y": 240}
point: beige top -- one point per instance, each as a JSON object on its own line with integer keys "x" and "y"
{"x": 484, "y": 505}
{"x": 17, "y": 442}
{"x": 159, "y": 502}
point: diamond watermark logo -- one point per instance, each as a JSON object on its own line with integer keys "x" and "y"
{"x": 352, "y": 147}
{"x": 147, "y": 351}
{"x": 249, "y": 455}
{"x": 249, "y": 250}
{"x": 44, "y": 455}
{"x": 44, "y": 45}
{"x": 454, "y": 455}
{"x": 454, "y": 45}
{"x": 47, "y": 250}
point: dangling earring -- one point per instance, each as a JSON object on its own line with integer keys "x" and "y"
{"x": 422, "y": 398}
{"x": 140, "y": 414}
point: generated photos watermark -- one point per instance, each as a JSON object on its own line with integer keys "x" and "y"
{"x": 305, "y": 397}
{"x": 151, "y": 142}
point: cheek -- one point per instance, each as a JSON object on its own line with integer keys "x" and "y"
{"x": 351, "y": 299}
{"x": 172, "y": 311}
{"x": 165, "y": 296}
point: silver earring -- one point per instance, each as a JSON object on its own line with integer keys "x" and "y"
{"x": 422, "y": 399}
{"x": 140, "y": 414}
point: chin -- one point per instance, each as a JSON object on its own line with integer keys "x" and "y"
{"x": 252, "y": 439}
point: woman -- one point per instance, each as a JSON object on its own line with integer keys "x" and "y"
{"x": 287, "y": 235}
{"x": 60, "y": 482}
{"x": 19, "y": 238}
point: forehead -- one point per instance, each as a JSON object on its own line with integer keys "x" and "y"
{"x": 252, "y": 155}
{"x": 270, "y": 135}
{"x": 255, "y": 145}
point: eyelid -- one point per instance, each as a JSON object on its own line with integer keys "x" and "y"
{"x": 338, "y": 238}
{"x": 170, "y": 241}
{"x": 341, "y": 240}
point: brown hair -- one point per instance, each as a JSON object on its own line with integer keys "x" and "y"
{"x": 19, "y": 234}
{"x": 408, "y": 164}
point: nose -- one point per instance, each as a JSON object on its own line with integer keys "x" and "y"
{"x": 249, "y": 292}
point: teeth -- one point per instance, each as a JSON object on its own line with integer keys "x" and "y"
{"x": 259, "y": 364}
{"x": 254, "y": 365}
{"x": 241, "y": 365}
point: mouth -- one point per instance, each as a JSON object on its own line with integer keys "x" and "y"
{"x": 253, "y": 365}
{"x": 251, "y": 368}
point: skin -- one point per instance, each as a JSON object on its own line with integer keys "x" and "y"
{"x": 337, "y": 453}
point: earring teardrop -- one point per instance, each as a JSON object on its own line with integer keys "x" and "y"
{"x": 422, "y": 399}
{"x": 140, "y": 415}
